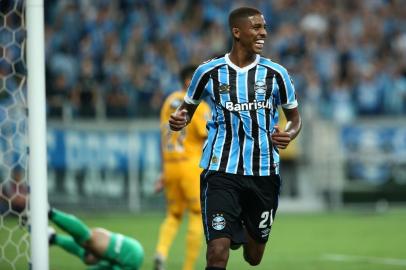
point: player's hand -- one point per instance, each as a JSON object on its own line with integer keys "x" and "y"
{"x": 280, "y": 138}
{"x": 178, "y": 120}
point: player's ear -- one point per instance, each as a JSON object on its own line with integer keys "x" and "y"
{"x": 236, "y": 33}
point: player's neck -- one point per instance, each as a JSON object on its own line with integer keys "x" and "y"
{"x": 241, "y": 58}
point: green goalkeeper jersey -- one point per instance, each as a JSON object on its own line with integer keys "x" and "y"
{"x": 123, "y": 253}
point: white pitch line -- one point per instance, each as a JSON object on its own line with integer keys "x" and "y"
{"x": 366, "y": 259}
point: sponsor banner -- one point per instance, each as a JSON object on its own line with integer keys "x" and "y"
{"x": 108, "y": 166}
{"x": 101, "y": 149}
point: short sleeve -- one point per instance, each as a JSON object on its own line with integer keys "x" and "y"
{"x": 287, "y": 92}
{"x": 196, "y": 88}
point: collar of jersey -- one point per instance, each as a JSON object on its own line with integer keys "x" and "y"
{"x": 241, "y": 69}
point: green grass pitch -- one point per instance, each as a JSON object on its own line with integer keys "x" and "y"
{"x": 355, "y": 240}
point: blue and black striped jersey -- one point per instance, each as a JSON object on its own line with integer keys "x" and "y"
{"x": 244, "y": 105}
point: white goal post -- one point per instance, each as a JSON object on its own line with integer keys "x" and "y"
{"x": 23, "y": 162}
{"x": 37, "y": 134}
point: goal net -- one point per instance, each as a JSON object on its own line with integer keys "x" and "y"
{"x": 14, "y": 237}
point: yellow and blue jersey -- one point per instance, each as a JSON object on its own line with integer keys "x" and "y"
{"x": 186, "y": 144}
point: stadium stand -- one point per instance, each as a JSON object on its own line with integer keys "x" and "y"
{"x": 345, "y": 57}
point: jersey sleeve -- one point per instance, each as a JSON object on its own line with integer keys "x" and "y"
{"x": 197, "y": 85}
{"x": 287, "y": 94}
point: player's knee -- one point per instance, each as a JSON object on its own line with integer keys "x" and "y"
{"x": 252, "y": 259}
{"x": 177, "y": 215}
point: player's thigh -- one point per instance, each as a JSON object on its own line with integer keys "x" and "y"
{"x": 259, "y": 206}
{"x": 191, "y": 187}
{"x": 173, "y": 189}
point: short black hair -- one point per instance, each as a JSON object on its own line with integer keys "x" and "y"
{"x": 187, "y": 72}
{"x": 241, "y": 13}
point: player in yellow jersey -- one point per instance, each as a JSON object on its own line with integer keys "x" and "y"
{"x": 181, "y": 152}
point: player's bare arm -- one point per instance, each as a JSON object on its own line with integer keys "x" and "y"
{"x": 294, "y": 123}
{"x": 182, "y": 116}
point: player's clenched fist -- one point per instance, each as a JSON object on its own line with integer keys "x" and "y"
{"x": 280, "y": 138}
{"x": 178, "y": 120}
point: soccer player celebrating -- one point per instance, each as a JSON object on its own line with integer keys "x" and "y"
{"x": 180, "y": 178}
{"x": 97, "y": 247}
{"x": 240, "y": 183}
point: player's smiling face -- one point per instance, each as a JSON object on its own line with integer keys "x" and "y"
{"x": 253, "y": 33}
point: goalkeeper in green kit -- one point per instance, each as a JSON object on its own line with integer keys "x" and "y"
{"x": 99, "y": 248}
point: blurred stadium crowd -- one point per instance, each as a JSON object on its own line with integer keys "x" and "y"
{"x": 119, "y": 59}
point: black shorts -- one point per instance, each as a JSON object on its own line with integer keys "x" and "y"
{"x": 231, "y": 202}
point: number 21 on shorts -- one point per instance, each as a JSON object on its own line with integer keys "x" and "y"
{"x": 266, "y": 218}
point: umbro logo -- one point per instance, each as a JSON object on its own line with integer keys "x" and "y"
{"x": 224, "y": 88}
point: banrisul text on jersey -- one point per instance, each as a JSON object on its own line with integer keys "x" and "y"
{"x": 248, "y": 106}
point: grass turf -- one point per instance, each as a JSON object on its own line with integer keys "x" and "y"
{"x": 323, "y": 241}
